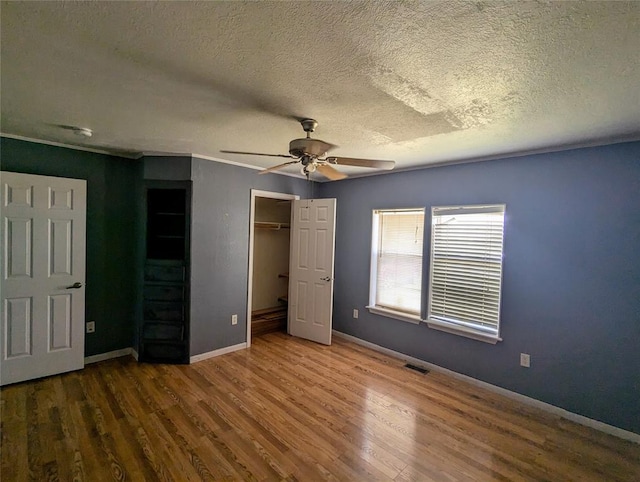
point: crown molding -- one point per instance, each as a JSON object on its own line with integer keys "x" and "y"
{"x": 71, "y": 146}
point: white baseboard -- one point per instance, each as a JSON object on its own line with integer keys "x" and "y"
{"x": 132, "y": 351}
{"x": 221, "y": 351}
{"x": 107, "y": 356}
{"x": 561, "y": 412}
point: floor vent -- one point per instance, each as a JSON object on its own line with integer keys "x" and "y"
{"x": 424, "y": 371}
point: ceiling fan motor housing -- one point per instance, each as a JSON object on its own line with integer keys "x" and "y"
{"x": 308, "y": 147}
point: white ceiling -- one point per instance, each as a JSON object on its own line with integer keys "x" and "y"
{"x": 417, "y": 82}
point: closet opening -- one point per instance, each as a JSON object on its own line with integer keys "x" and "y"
{"x": 269, "y": 252}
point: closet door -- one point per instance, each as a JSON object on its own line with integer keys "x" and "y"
{"x": 311, "y": 269}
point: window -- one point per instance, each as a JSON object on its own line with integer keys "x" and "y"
{"x": 396, "y": 263}
{"x": 466, "y": 270}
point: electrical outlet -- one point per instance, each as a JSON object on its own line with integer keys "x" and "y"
{"x": 234, "y": 319}
{"x": 91, "y": 326}
{"x": 355, "y": 313}
{"x": 525, "y": 360}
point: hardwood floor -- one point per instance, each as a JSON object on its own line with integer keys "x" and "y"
{"x": 287, "y": 409}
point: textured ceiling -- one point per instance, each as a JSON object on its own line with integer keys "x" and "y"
{"x": 417, "y": 82}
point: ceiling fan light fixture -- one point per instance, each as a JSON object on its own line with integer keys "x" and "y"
{"x": 308, "y": 169}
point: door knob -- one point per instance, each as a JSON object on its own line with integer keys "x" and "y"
{"x": 75, "y": 286}
{"x": 326, "y": 278}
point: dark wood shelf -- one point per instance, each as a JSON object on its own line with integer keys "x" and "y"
{"x": 272, "y": 226}
{"x": 164, "y": 330}
{"x": 268, "y": 320}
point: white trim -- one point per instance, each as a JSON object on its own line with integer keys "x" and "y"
{"x": 164, "y": 154}
{"x": 225, "y": 161}
{"x": 503, "y": 156}
{"x": 134, "y": 354}
{"x": 248, "y": 166}
{"x": 252, "y": 214}
{"x": 461, "y": 330}
{"x": 492, "y": 157}
{"x": 468, "y": 209}
{"x": 396, "y": 315}
{"x": 373, "y": 266}
{"x": 218, "y": 352}
{"x": 108, "y": 355}
{"x": 547, "y": 407}
{"x": 116, "y": 153}
{"x": 139, "y": 155}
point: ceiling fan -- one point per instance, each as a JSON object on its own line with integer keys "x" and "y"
{"x": 311, "y": 153}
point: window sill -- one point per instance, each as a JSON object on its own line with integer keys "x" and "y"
{"x": 398, "y": 315}
{"x": 463, "y": 331}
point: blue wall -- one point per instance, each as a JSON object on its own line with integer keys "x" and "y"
{"x": 115, "y": 226}
{"x": 571, "y": 281}
{"x": 221, "y": 204}
{"x": 571, "y": 289}
{"x": 113, "y": 189}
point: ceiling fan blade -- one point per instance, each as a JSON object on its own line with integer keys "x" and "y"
{"x": 350, "y": 161}
{"x": 328, "y": 146}
{"x": 258, "y": 154}
{"x": 327, "y": 171}
{"x": 275, "y": 168}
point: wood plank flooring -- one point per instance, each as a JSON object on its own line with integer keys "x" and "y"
{"x": 287, "y": 409}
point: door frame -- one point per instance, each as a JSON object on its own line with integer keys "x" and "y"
{"x": 254, "y": 194}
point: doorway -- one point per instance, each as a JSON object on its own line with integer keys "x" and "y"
{"x": 269, "y": 253}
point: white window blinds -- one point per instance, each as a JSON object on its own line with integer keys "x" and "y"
{"x": 466, "y": 266}
{"x": 398, "y": 260}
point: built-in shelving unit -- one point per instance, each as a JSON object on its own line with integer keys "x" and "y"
{"x": 164, "y": 332}
{"x": 269, "y": 225}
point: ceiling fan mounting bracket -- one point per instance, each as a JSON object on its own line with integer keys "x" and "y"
{"x": 309, "y": 125}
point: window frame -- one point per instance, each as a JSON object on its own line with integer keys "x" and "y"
{"x": 460, "y": 327}
{"x": 373, "y": 278}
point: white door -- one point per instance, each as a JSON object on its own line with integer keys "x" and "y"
{"x": 311, "y": 269}
{"x": 43, "y": 274}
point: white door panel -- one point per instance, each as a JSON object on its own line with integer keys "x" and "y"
{"x": 59, "y": 322}
{"x": 43, "y": 255}
{"x": 18, "y": 316}
{"x": 60, "y": 246}
{"x": 18, "y": 252}
{"x": 311, "y": 270}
